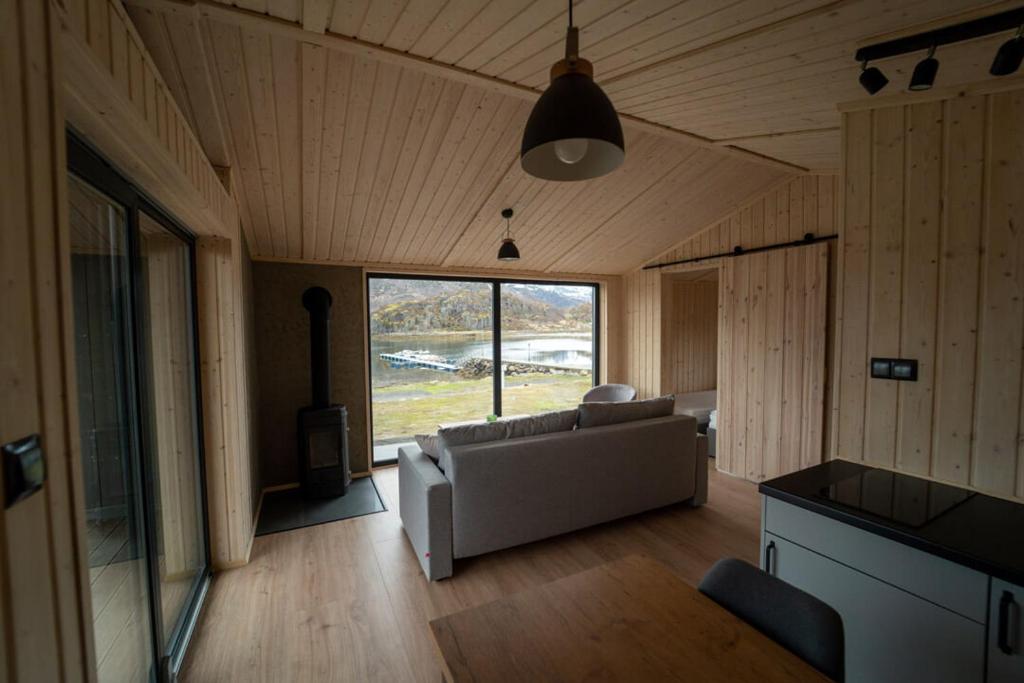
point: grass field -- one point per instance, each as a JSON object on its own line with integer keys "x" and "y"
{"x": 403, "y": 410}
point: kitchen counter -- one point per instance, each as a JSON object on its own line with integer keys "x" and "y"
{"x": 969, "y": 528}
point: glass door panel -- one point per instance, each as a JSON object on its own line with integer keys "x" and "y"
{"x": 547, "y": 346}
{"x": 169, "y": 400}
{"x": 112, "y": 482}
{"x": 431, "y": 357}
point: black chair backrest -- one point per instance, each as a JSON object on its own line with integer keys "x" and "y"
{"x": 798, "y": 621}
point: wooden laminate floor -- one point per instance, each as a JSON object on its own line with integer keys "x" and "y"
{"x": 347, "y": 601}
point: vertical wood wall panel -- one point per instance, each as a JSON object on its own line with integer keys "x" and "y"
{"x": 786, "y": 212}
{"x": 225, "y": 344}
{"x": 643, "y": 332}
{"x": 689, "y": 336}
{"x": 772, "y": 361}
{"x": 932, "y": 267}
{"x": 43, "y": 581}
{"x": 885, "y": 261}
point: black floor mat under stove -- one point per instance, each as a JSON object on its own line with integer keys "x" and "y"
{"x": 285, "y": 510}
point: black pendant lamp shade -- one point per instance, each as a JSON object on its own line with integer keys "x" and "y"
{"x": 872, "y": 79}
{"x": 1009, "y": 56}
{"x": 508, "y": 250}
{"x": 573, "y": 132}
{"x": 923, "y": 77}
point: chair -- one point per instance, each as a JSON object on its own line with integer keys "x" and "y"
{"x": 610, "y": 392}
{"x": 798, "y": 621}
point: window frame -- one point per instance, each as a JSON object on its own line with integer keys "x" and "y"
{"x": 495, "y": 283}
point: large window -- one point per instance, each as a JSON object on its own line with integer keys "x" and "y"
{"x": 135, "y": 355}
{"x": 444, "y": 351}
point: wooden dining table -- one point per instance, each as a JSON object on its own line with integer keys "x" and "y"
{"x": 631, "y": 619}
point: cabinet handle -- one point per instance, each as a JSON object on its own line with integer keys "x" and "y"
{"x": 1003, "y": 638}
{"x": 768, "y": 556}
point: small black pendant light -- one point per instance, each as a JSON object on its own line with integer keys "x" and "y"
{"x": 508, "y": 250}
{"x": 573, "y": 132}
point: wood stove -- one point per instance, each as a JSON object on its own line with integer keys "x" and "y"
{"x": 323, "y": 430}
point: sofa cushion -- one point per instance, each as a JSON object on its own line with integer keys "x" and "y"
{"x": 544, "y": 423}
{"x": 463, "y": 435}
{"x": 602, "y": 413}
{"x": 430, "y": 444}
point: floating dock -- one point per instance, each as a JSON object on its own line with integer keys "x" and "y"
{"x": 404, "y": 360}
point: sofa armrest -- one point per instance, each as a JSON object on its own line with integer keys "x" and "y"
{"x": 700, "y": 494}
{"x": 425, "y": 506}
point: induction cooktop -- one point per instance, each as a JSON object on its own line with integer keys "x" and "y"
{"x": 896, "y": 497}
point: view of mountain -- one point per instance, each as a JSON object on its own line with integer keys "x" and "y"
{"x": 400, "y": 306}
{"x": 384, "y": 291}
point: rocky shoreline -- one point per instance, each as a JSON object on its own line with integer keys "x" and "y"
{"x": 474, "y": 368}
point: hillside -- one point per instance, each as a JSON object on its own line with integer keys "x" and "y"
{"x": 384, "y": 291}
{"x": 469, "y": 309}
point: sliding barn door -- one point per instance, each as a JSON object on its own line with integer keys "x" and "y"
{"x": 771, "y": 361}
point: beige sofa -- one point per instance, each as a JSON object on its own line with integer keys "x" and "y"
{"x": 507, "y": 492}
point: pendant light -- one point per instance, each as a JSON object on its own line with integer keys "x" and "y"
{"x": 508, "y": 250}
{"x": 923, "y": 77}
{"x": 573, "y": 132}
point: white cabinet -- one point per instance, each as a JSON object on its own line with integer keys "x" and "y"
{"x": 890, "y": 635}
{"x": 1006, "y": 633}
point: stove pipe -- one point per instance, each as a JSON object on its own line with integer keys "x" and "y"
{"x": 317, "y": 301}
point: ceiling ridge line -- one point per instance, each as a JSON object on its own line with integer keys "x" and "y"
{"x": 242, "y": 17}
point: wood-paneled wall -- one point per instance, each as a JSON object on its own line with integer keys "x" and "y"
{"x": 225, "y": 347}
{"x": 932, "y": 268}
{"x": 116, "y": 97}
{"x": 771, "y": 362}
{"x": 44, "y": 589}
{"x": 641, "y": 332}
{"x": 689, "y": 335}
{"x": 787, "y": 212}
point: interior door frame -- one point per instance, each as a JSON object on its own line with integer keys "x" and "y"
{"x": 495, "y": 283}
{"x": 91, "y": 166}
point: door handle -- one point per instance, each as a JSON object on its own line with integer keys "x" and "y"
{"x": 768, "y": 556}
{"x": 1006, "y": 603}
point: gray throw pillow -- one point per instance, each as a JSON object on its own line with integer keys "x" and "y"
{"x": 430, "y": 444}
{"x": 609, "y": 413}
{"x": 462, "y": 435}
{"x": 544, "y": 423}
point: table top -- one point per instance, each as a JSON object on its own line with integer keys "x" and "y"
{"x": 628, "y": 620}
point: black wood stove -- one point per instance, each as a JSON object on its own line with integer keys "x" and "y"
{"x": 323, "y": 431}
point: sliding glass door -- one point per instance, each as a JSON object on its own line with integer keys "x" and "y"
{"x": 115, "y": 526}
{"x": 133, "y": 299}
{"x": 451, "y": 350}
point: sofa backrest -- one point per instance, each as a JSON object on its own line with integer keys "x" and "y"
{"x": 518, "y": 490}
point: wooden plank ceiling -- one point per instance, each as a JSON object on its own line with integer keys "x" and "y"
{"x": 343, "y": 156}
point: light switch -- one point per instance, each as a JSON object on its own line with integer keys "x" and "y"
{"x": 24, "y": 469}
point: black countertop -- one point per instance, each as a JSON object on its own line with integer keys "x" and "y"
{"x": 969, "y": 528}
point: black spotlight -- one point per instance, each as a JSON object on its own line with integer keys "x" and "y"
{"x": 1010, "y": 55}
{"x": 872, "y": 79}
{"x": 924, "y": 73}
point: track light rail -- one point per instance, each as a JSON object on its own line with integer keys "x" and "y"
{"x": 809, "y": 238}
{"x": 976, "y": 28}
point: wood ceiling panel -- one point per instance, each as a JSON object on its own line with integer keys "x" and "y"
{"x": 692, "y": 65}
{"x": 345, "y": 152}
